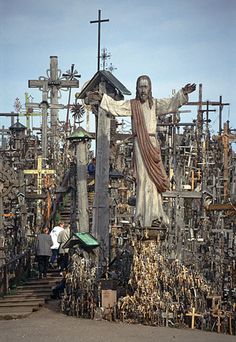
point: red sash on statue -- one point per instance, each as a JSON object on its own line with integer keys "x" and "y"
{"x": 151, "y": 154}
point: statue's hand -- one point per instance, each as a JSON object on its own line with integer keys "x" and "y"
{"x": 189, "y": 88}
{"x": 93, "y": 97}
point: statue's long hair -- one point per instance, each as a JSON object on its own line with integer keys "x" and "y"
{"x": 150, "y": 98}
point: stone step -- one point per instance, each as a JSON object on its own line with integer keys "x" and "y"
{"x": 26, "y": 303}
{"x": 28, "y": 297}
{"x": 15, "y": 315}
{"x": 19, "y": 308}
{"x": 35, "y": 281}
{"x": 49, "y": 281}
{"x": 39, "y": 295}
{"x": 34, "y": 291}
{"x": 16, "y": 300}
{"x": 52, "y": 274}
{"x": 35, "y": 287}
{"x": 22, "y": 297}
{"x": 25, "y": 294}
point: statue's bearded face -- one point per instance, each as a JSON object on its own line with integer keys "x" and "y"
{"x": 143, "y": 89}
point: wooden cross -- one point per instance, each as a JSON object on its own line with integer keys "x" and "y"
{"x": 11, "y": 115}
{"x": 4, "y": 134}
{"x": 226, "y": 138}
{"x": 166, "y": 315}
{"x": 39, "y": 172}
{"x": 196, "y": 175}
{"x": 184, "y": 272}
{"x": 1, "y": 203}
{"x": 29, "y": 111}
{"x": 99, "y": 21}
{"x": 230, "y": 317}
{"x": 193, "y": 314}
{"x": 218, "y": 315}
{"x": 215, "y": 302}
{"x": 53, "y": 83}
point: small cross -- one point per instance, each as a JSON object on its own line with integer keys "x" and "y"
{"x": 219, "y": 315}
{"x": 99, "y": 21}
{"x": 105, "y": 55}
{"x": 39, "y": 172}
{"x": 166, "y": 315}
{"x": 193, "y": 314}
{"x": 230, "y": 317}
{"x": 185, "y": 272}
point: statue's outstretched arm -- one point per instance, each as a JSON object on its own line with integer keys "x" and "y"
{"x": 189, "y": 88}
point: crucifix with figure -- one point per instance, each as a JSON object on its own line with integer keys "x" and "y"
{"x": 39, "y": 172}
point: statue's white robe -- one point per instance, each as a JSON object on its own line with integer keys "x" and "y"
{"x": 148, "y": 200}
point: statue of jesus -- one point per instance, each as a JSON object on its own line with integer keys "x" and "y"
{"x": 151, "y": 178}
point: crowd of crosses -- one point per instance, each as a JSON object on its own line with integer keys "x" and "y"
{"x": 181, "y": 274}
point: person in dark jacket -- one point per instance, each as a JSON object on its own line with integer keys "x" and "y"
{"x": 43, "y": 251}
{"x": 92, "y": 167}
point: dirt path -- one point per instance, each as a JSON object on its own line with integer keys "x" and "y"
{"x": 49, "y": 325}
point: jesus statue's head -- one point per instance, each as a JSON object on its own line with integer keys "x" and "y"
{"x": 144, "y": 90}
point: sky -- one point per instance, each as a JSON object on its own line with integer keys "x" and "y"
{"x": 174, "y": 42}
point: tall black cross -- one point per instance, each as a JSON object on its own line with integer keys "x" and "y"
{"x": 99, "y": 21}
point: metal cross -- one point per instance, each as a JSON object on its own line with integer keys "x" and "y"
{"x": 70, "y": 75}
{"x": 99, "y": 21}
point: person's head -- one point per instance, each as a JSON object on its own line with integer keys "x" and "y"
{"x": 61, "y": 224}
{"x": 94, "y": 160}
{"x": 144, "y": 90}
{"x": 45, "y": 230}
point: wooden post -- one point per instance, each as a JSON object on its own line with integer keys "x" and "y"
{"x": 81, "y": 180}
{"x": 1, "y": 205}
{"x": 220, "y": 115}
{"x": 44, "y": 106}
{"x": 54, "y": 95}
{"x": 199, "y": 115}
{"x": 2, "y": 236}
{"x": 80, "y": 138}
{"x": 226, "y": 138}
{"x": 101, "y": 201}
{"x": 6, "y": 280}
{"x": 229, "y": 315}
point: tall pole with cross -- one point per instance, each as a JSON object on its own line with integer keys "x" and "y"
{"x": 53, "y": 83}
{"x": 99, "y": 21}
